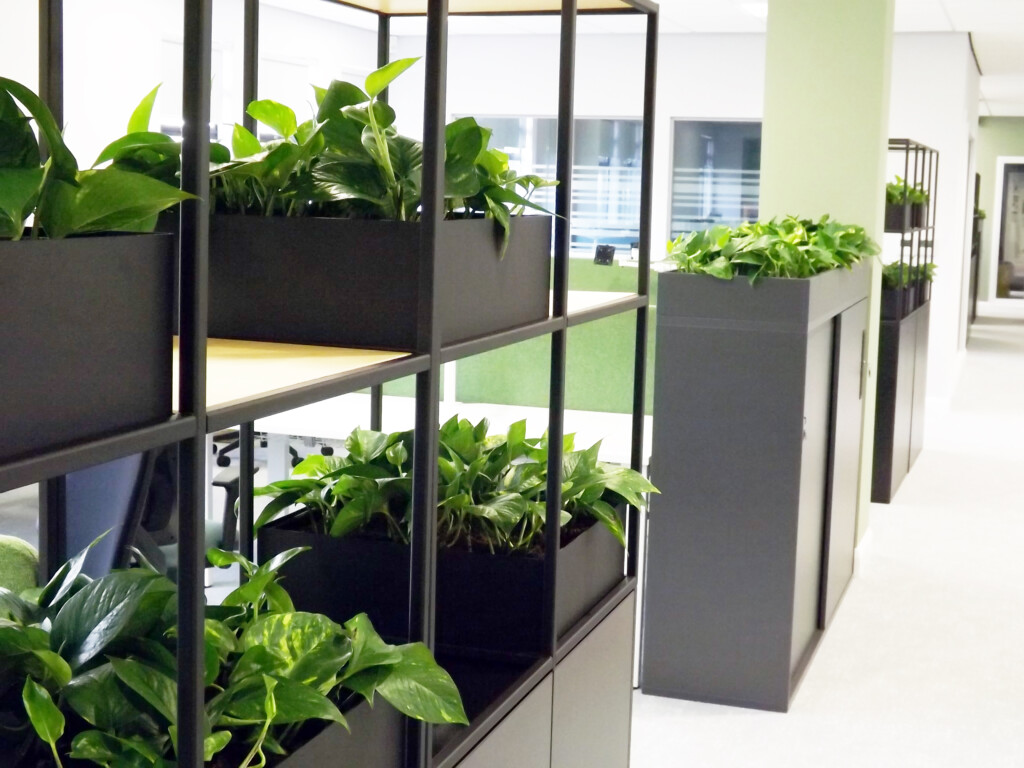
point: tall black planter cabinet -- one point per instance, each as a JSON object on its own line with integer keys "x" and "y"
{"x": 757, "y": 421}
{"x": 567, "y": 703}
{"x": 903, "y": 335}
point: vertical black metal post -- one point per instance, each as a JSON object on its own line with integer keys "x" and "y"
{"x": 195, "y": 170}
{"x": 246, "y": 465}
{"x": 643, "y": 280}
{"x": 383, "y": 56}
{"x": 51, "y": 57}
{"x": 920, "y": 165}
{"x": 934, "y": 189}
{"x": 53, "y": 539}
{"x": 250, "y": 59}
{"x": 424, "y": 533}
{"x": 52, "y": 507}
{"x": 383, "y": 46}
{"x": 560, "y": 306}
{"x": 906, "y": 246}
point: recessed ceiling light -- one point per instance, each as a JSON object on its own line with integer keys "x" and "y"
{"x": 758, "y": 9}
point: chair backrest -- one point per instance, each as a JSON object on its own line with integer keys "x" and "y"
{"x": 107, "y": 497}
{"x": 160, "y": 511}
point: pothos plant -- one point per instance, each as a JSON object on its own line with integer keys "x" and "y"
{"x": 142, "y": 150}
{"x": 895, "y": 191}
{"x": 787, "y": 247}
{"x": 350, "y": 161}
{"x": 898, "y": 274}
{"x": 492, "y": 489}
{"x": 88, "y": 670}
{"x": 61, "y": 199}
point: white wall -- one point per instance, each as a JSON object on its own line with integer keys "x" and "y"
{"x": 18, "y": 42}
{"x": 935, "y": 101}
{"x": 114, "y": 54}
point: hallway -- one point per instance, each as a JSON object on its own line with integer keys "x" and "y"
{"x": 924, "y": 664}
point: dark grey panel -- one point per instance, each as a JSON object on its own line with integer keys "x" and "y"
{"x": 522, "y": 739}
{"x": 899, "y": 415}
{"x": 83, "y": 353}
{"x": 920, "y": 382}
{"x": 376, "y": 740}
{"x": 904, "y": 406}
{"x": 846, "y": 441}
{"x": 813, "y": 481}
{"x": 718, "y": 604}
{"x": 600, "y": 669}
{"x": 885, "y": 411}
{"x": 771, "y": 304}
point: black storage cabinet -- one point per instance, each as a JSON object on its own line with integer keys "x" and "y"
{"x": 86, "y": 342}
{"x": 757, "y": 419}
{"x": 900, "y": 404}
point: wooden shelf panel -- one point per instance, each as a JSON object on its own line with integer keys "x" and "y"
{"x": 586, "y": 306}
{"x": 492, "y": 7}
{"x": 581, "y": 301}
{"x": 254, "y": 373}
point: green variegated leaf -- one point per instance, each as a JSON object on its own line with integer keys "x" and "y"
{"x": 244, "y": 143}
{"x": 157, "y": 689}
{"x": 417, "y": 687}
{"x": 140, "y": 119}
{"x": 275, "y": 116}
{"x": 378, "y": 81}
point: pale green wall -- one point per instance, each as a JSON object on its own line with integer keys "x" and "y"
{"x": 826, "y": 123}
{"x": 997, "y": 136}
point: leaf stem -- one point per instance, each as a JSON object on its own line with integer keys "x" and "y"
{"x": 257, "y": 748}
{"x": 56, "y": 757}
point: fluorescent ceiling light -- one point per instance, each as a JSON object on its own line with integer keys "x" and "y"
{"x": 758, "y": 9}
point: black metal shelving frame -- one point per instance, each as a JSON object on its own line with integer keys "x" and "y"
{"x": 917, "y": 242}
{"x": 903, "y": 334}
{"x": 194, "y": 420}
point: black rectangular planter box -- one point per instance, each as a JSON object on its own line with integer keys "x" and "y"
{"x": 376, "y": 740}
{"x": 891, "y": 309}
{"x": 477, "y": 605}
{"x": 757, "y": 418}
{"x": 894, "y": 217}
{"x": 86, "y": 342}
{"x": 331, "y": 281}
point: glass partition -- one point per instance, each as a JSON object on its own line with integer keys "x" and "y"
{"x": 716, "y": 173}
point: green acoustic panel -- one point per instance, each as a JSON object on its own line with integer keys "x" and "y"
{"x": 599, "y": 364}
{"x": 403, "y": 387}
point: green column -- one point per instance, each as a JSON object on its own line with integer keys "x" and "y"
{"x": 826, "y": 120}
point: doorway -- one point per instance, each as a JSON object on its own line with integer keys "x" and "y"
{"x": 1010, "y": 274}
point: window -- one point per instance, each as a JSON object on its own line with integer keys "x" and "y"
{"x": 605, "y": 178}
{"x": 716, "y": 173}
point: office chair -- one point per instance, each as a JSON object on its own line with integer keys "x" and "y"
{"x": 156, "y": 538}
{"x": 105, "y": 499}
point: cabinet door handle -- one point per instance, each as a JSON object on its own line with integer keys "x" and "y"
{"x": 863, "y": 363}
